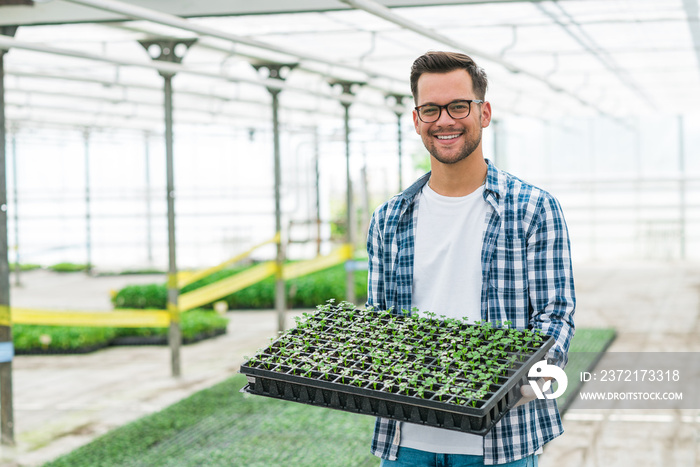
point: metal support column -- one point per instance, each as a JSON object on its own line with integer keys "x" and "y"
{"x": 175, "y": 333}
{"x": 317, "y": 182}
{"x": 397, "y": 100}
{"x": 88, "y": 219}
{"x": 681, "y": 187}
{"x": 277, "y": 71}
{"x": 15, "y": 191}
{"x": 347, "y": 89}
{"x": 7, "y": 432}
{"x": 350, "y": 234}
{"x": 498, "y": 143}
{"x": 170, "y": 50}
{"x": 149, "y": 220}
{"x": 280, "y": 291}
{"x": 399, "y": 147}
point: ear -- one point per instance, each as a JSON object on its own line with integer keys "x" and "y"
{"x": 485, "y": 114}
{"x": 416, "y": 121}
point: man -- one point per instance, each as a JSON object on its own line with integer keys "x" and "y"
{"x": 468, "y": 239}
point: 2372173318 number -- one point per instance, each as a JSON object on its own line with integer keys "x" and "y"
{"x": 639, "y": 375}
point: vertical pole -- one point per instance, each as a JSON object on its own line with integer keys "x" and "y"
{"x": 366, "y": 213}
{"x": 594, "y": 210}
{"x": 7, "y": 436}
{"x": 15, "y": 192}
{"x": 350, "y": 236}
{"x": 280, "y": 292}
{"x": 317, "y": 173}
{"x": 681, "y": 186}
{"x": 277, "y": 71}
{"x": 498, "y": 156}
{"x": 397, "y": 101}
{"x": 347, "y": 87}
{"x": 400, "y": 143}
{"x": 175, "y": 334}
{"x": 149, "y": 226}
{"x": 494, "y": 130}
{"x": 170, "y": 50}
{"x": 88, "y": 220}
{"x": 639, "y": 237}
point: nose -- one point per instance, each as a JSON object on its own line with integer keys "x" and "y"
{"x": 445, "y": 118}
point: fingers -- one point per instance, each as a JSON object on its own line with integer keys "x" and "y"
{"x": 527, "y": 393}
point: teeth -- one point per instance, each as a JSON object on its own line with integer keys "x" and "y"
{"x": 447, "y": 137}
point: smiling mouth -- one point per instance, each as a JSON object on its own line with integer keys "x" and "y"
{"x": 446, "y": 137}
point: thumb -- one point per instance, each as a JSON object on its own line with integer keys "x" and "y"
{"x": 527, "y": 391}
{"x": 528, "y": 395}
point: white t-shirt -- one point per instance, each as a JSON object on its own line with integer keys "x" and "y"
{"x": 447, "y": 281}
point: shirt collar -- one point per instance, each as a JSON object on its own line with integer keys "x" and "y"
{"x": 411, "y": 192}
{"x": 492, "y": 185}
{"x": 493, "y": 179}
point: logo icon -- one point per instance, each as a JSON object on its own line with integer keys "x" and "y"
{"x": 544, "y": 370}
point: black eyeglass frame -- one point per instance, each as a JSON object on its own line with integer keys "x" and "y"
{"x": 440, "y": 107}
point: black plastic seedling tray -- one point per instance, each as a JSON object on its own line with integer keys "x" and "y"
{"x": 309, "y": 364}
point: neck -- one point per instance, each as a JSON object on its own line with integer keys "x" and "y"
{"x": 458, "y": 179}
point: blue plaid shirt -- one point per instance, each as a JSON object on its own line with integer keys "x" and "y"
{"x": 526, "y": 279}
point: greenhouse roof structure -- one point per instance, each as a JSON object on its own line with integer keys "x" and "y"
{"x": 80, "y": 63}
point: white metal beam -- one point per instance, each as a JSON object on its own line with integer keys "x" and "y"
{"x": 597, "y": 52}
{"x": 280, "y": 53}
{"x": 138, "y": 12}
{"x": 59, "y": 12}
{"x": 385, "y": 13}
{"x": 205, "y": 43}
{"x": 28, "y": 93}
{"x": 8, "y": 43}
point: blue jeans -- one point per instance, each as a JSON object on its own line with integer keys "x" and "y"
{"x": 407, "y": 457}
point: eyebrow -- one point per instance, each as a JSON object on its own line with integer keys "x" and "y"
{"x": 451, "y": 102}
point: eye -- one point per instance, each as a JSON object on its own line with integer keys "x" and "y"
{"x": 429, "y": 110}
{"x": 459, "y": 107}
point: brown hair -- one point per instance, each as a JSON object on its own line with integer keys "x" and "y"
{"x": 444, "y": 62}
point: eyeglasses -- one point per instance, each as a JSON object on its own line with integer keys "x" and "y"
{"x": 458, "y": 110}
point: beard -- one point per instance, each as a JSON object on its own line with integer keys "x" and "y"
{"x": 471, "y": 143}
{"x": 465, "y": 151}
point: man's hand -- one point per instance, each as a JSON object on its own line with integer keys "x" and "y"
{"x": 528, "y": 393}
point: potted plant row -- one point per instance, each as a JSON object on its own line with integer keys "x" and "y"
{"x": 418, "y": 368}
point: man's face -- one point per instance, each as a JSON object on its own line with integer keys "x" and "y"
{"x": 450, "y": 140}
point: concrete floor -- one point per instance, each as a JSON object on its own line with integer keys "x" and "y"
{"x": 654, "y": 308}
{"x": 62, "y": 402}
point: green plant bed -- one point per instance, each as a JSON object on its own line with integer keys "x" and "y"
{"x": 68, "y": 267}
{"x": 132, "y": 272}
{"x": 303, "y": 292}
{"x": 221, "y": 427}
{"x": 146, "y": 296}
{"x": 32, "y": 340}
{"x": 162, "y": 339}
{"x": 194, "y": 324}
{"x": 308, "y": 291}
{"x": 25, "y": 266}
